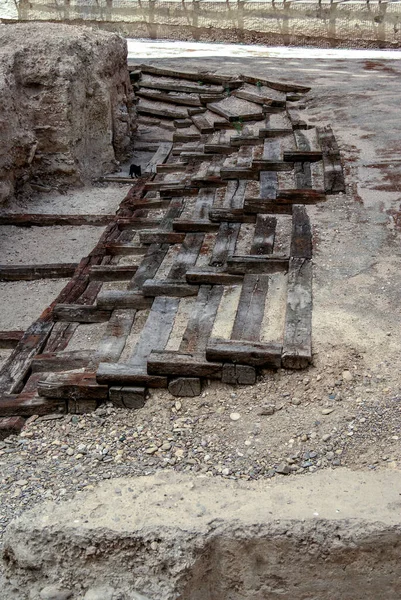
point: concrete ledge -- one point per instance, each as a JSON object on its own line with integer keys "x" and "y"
{"x": 331, "y": 535}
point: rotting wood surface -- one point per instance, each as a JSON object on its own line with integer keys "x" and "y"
{"x": 201, "y": 222}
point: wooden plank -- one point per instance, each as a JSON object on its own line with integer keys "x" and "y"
{"x": 281, "y": 86}
{"x": 252, "y": 353}
{"x": 194, "y": 226}
{"x": 80, "y": 314}
{"x": 241, "y": 172}
{"x": 302, "y": 170}
{"x": 224, "y": 244}
{"x": 185, "y": 387}
{"x": 251, "y": 306}
{"x": 263, "y": 237}
{"x": 240, "y": 265}
{"x": 261, "y": 95}
{"x": 183, "y": 123}
{"x": 127, "y": 397}
{"x": 171, "y": 97}
{"x": 156, "y": 252}
{"x": 172, "y": 85}
{"x": 10, "y": 426}
{"x": 161, "y": 109}
{"x": 45, "y": 220}
{"x": 174, "y": 167}
{"x": 230, "y": 216}
{"x": 187, "y": 256}
{"x": 334, "y": 180}
{"x": 127, "y": 374}
{"x": 111, "y": 299}
{"x": 268, "y": 185}
{"x": 303, "y": 156}
{"x": 23, "y": 406}
{"x": 212, "y": 276}
{"x": 201, "y": 320}
{"x": 121, "y": 249}
{"x": 176, "y": 363}
{"x": 301, "y": 237}
{"x": 214, "y": 78}
{"x": 261, "y": 206}
{"x": 112, "y": 272}
{"x": 168, "y": 287}
{"x": 202, "y": 124}
{"x": 297, "y": 345}
{"x": 9, "y": 339}
{"x": 72, "y": 384}
{"x": 136, "y": 223}
{"x": 184, "y": 136}
{"x": 156, "y": 331}
{"x": 61, "y": 361}
{"x": 113, "y": 341}
{"x": 33, "y": 272}
{"x": 159, "y": 157}
{"x": 161, "y": 237}
{"x": 236, "y": 109}
{"x": 238, "y": 374}
{"x": 16, "y": 367}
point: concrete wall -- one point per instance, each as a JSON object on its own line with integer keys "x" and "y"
{"x": 374, "y": 24}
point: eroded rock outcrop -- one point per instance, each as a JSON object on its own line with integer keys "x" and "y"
{"x": 66, "y": 105}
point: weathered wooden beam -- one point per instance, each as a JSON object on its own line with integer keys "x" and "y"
{"x": 201, "y": 320}
{"x": 211, "y": 276}
{"x": 45, "y": 220}
{"x": 128, "y": 397}
{"x": 171, "y": 84}
{"x": 121, "y": 249}
{"x": 159, "y": 157}
{"x": 168, "y": 287}
{"x": 171, "y": 97}
{"x": 334, "y": 180}
{"x": 213, "y": 78}
{"x": 16, "y": 367}
{"x": 173, "y": 167}
{"x": 297, "y": 344}
{"x": 249, "y": 317}
{"x": 112, "y": 272}
{"x": 10, "y": 426}
{"x": 253, "y": 353}
{"x": 238, "y": 374}
{"x": 9, "y": 339}
{"x": 26, "y": 406}
{"x": 177, "y": 363}
{"x": 113, "y": 341}
{"x": 72, "y": 385}
{"x": 127, "y": 374}
{"x": 281, "y": 86}
{"x": 302, "y": 156}
{"x": 61, "y": 361}
{"x": 241, "y": 265}
{"x": 185, "y": 387}
{"x": 111, "y": 299}
{"x": 301, "y": 236}
{"x": 33, "y": 272}
{"x": 194, "y": 226}
{"x": 261, "y": 206}
{"x": 161, "y": 237}
{"x": 80, "y": 313}
{"x": 230, "y": 215}
{"x": 264, "y": 234}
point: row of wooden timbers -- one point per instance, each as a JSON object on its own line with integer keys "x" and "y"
{"x": 233, "y": 139}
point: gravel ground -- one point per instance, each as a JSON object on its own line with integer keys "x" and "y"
{"x": 342, "y": 414}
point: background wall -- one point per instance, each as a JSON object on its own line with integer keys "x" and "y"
{"x": 327, "y": 24}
